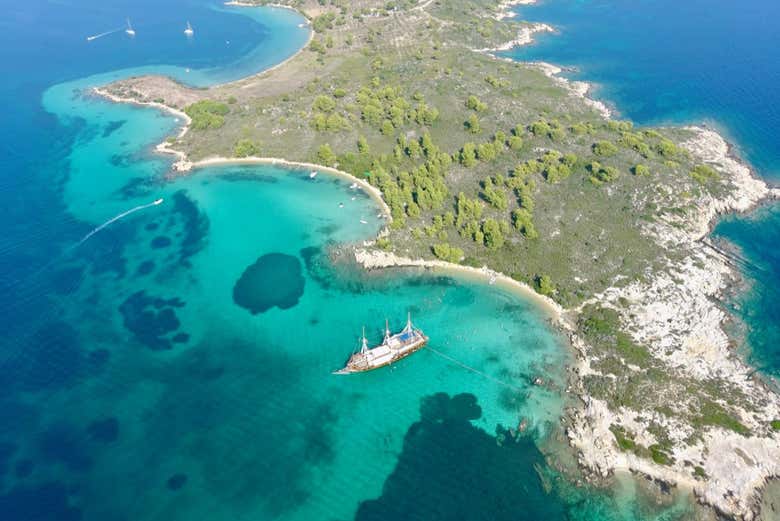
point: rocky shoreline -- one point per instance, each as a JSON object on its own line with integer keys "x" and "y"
{"x": 676, "y": 314}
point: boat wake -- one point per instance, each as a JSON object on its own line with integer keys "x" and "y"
{"x": 91, "y": 234}
{"x": 101, "y": 35}
{"x": 114, "y": 219}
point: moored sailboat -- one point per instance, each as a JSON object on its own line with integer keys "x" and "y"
{"x": 394, "y": 347}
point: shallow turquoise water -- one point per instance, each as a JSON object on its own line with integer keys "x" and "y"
{"x": 243, "y": 407}
{"x": 134, "y": 385}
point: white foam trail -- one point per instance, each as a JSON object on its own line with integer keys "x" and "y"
{"x": 114, "y": 219}
{"x": 90, "y": 234}
{"x": 101, "y": 35}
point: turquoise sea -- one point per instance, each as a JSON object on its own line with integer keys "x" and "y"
{"x": 700, "y": 61}
{"x": 175, "y": 362}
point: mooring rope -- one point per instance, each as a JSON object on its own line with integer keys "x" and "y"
{"x": 474, "y": 370}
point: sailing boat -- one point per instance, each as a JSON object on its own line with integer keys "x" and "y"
{"x": 130, "y": 31}
{"x": 189, "y": 31}
{"x": 393, "y": 348}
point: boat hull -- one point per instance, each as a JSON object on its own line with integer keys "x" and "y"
{"x": 354, "y": 366}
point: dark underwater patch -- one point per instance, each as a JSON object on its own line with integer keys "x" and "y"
{"x": 330, "y": 275}
{"x": 67, "y": 280}
{"x": 61, "y": 443}
{"x": 121, "y": 160}
{"x": 7, "y": 450}
{"x": 151, "y": 319}
{"x": 97, "y": 359}
{"x": 52, "y": 358}
{"x": 273, "y": 280}
{"x": 113, "y": 126}
{"x": 44, "y": 503}
{"x": 16, "y": 418}
{"x": 146, "y": 267}
{"x": 328, "y": 229}
{"x": 317, "y": 442}
{"x": 196, "y": 226}
{"x": 249, "y": 175}
{"x": 161, "y": 241}
{"x": 138, "y": 187}
{"x": 258, "y": 430}
{"x": 150, "y": 227}
{"x": 449, "y": 469}
{"x": 24, "y": 468}
{"x": 176, "y": 481}
{"x": 104, "y": 430}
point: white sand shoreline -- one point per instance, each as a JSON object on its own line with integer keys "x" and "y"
{"x": 369, "y": 189}
{"x": 376, "y": 259}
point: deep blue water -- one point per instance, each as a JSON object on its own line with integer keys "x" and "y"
{"x": 697, "y": 61}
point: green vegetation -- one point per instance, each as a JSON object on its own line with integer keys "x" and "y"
{"x": 600, "y": 174}
{"x": 714, "y": 414}
{"x": 325, "y": 155}
{"x": 474, "y": 104}
{"x": 624, "y": 441}
{"x": 602, "y": 326}
{"x": 604, "y": 149}
{"x": 207, "y": 114}
{"x": 775, "y": 424}
{"x": 523, "y": 222}
{"x": 472, "y": 124}
{"x": 544, "y": 285}
{"x": 447, "y": 253}
{"x": 246, "y": 148}
{"x": 703, "y": 174}
{"x": 660, "y": 456}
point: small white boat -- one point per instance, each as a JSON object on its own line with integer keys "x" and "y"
{"x": 341, "y": 205}
{"x": 492, "y": 280}
{"x": 353, "y": 198}
{"x": 313, "y": 174}
{"x": 353, "y": 186}
{"x": 189, "y": 31}
{"x": 363, "y": 221}
{"x": 158, "y": 201}
{"x": 130, "y": 31}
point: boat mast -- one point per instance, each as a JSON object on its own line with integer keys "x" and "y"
{"x": 387, "y": 331}
{"x": 364, "y": 345}
{"x": 408, "y": 321}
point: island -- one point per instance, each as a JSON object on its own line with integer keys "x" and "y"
{"x": 510, "y": 172}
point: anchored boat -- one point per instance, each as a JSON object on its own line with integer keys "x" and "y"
{"x": 393, "y": 348}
